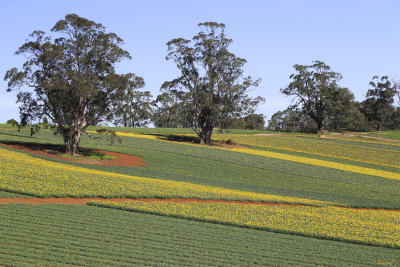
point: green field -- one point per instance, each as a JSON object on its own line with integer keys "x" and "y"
{"x": 182, "y": 170}
{"x": 213, "y": 167}
{"x": 84, "y": 235}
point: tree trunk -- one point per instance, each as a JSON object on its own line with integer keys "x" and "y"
{"x": 378, "y": 128}
{"x": 72, "y": 145}
{"x": 76, "y": 137}
{"x": 205, "y": 134}
{"x": 71, "y": 142}
{"x": 67, "y": 143}
{"x": 320, "y": 124}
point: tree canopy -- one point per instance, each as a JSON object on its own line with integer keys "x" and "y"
{"x": 317, "y": 92}
{"x": 211, "y": 81}
{"x": 135, "y": 109}
{"x": 378, "y": 107}
{"x": 71, "y": 79}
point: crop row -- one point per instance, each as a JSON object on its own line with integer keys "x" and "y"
{"x": 321, "y": 163}
{"x": 63, "y": 234}
{"x": 380, "y": 153}
{"x": 8, "y": 195}
{"x": 38, "y": 177}
{"x": 348, "y": 151}
{"x": 371, "y": 227}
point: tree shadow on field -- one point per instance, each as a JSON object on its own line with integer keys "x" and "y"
{"x": 55, "y": 149}
{"x": 17, "y": 135}
{"x": 191, "y": 139}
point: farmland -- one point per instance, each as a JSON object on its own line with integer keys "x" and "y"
{"x": 370, "y": 227}
{"x": 84, "y": 235}
{"x": 317, "y": 179}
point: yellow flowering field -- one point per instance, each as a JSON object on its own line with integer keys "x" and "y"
{"x": 372, "y": 155}
{"x": 22, "y": 173}
{"x": 146, "y": 136}
{"x": 299, "y": 159}
{"x": 364, "y": 140}
{"x": 374, "y": 227}
{"x": 321, "y": 163}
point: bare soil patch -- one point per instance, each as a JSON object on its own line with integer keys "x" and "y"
{"x": 55, "y": 151}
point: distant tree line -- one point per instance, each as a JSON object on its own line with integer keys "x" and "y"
{"x": 320, "y": 103}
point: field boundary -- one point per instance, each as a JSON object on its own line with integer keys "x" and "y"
{"x": 83, "y": 201}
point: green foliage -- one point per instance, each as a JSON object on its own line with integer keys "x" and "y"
{"x": 317, "y": 92}
{"x": 378, "y": 107}
{"x": 251, "y": 122}
{"x": 91, "y": 236}
{"x": 340, "y": 119}
{"x": 233, "y": 123}
{"x": 212, "y": 86}
{"x": 13, "y": 122}
{"x": 255, "y": 121}
{"x": 135, "y": 109}
{"x": 170, "y": 112}
{"x": 73, "y": 77}
{"x": 90, "y": 154}
{"x": 113, "y": 137}
{"x": 291, "y": 120}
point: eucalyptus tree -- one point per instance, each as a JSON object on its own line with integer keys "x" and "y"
{"x": 135, "y": 109}
{"x": 378, "y": 107}
{"x": 316, "y": 91}
{"x": 70, "y": 79}
{"x": 211, "y": 81}
{"x": 170, "y": 112}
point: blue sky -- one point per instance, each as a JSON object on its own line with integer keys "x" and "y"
{"x": 359, "y": 39}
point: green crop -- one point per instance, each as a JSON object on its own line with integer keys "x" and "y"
{"x": 84, "y": 235}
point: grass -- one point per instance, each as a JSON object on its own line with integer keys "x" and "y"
{"x": 4, "y": 194}
{"x": 394, "y": 134}
{"x": 90, "y": 154}
{"x": 91, "y": 236}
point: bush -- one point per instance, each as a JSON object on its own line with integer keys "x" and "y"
{"x": 12, "y": 122}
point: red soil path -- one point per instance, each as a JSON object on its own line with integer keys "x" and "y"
{"x": 119, "y": 160}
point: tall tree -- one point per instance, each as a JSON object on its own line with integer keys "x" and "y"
{"x": 255, "y": 121}
{"x": 135, "y": 109}
{"x": 170, "y": 112}
{"x": 70, "y": 79}
{"x": 378, "y": 107}
{"x": 291, "y": 120}
{"x": 344, "y": 113}
{"x": 211, "y": 83}
{"x": 316, "y": 90}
